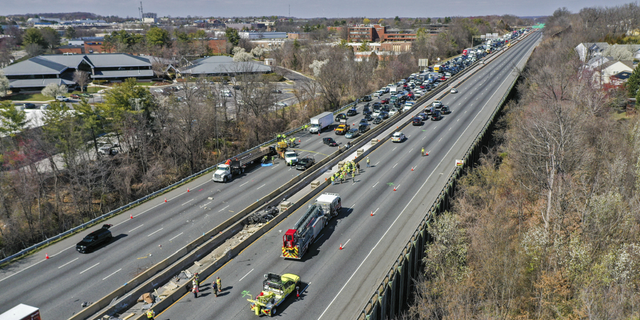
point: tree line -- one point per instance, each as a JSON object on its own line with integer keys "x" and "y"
{"x": 546, "y": 225}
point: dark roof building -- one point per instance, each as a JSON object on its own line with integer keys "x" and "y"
{"x": 222, "y": 65}
{"x": 38, "y": 72}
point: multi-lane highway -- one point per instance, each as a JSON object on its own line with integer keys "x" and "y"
{"x": 60, "y": 285}
{"x": 337, "y": 282}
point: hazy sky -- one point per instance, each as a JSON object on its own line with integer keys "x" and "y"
{"x": 304, "y": 8}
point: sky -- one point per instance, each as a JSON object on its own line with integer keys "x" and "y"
{"x": 304, "y": 8}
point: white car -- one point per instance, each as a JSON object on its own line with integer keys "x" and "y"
{"x": 290, "y": 157}
{"x": 454, "y": 90}
{"x": 45, "y": 106}
{"x": 393, "y": 112}
{"x": 397, "y": 137}
{"x": 62, "y": 98}
{"x": 377, "y": 94}
{"x": 437, "y": 104}
{"x": 280, "y": 105}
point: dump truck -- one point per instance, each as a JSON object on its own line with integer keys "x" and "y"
{"x": 275, "y": 288}
{"x": 236, "y": 166}
{"x": 22, "y": 312}
{"x": 296, "y": 241}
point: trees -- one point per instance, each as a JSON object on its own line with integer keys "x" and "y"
{"x": 366, "y": 21}
{"x": 70, "y": 33}
{"x": 12, "y": 120}
{"x": 34, "y": 36}
{"x": 158, "y": 37}
{"x": 633, "y": 83}
{"x": 232, "y": 36}
{"x": 4, "y": 84}
{"x": 51, "y": 37}
{"x": 53, "y": 90}
{"x": 81, "y": 78}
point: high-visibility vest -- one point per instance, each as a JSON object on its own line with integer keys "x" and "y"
{"x": 150, "y": 314}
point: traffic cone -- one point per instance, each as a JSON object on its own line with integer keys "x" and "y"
{"x": 46, "y": 255}
{"x": 131, "y": 217}
{"x": 341, "y": 246}
{"x": 299, "y": 140}
{"x": 394, "y": 188}
{"x": 188, "y": 190}
{"x": 318, "y": 133}
{"x": 372, "y": 213}
{"x": 426, "y": 153}
{"x": 165, "y": 199}
{"x": 411, "y": 170}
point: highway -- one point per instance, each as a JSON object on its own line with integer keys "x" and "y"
{"x": 157, "y": 230}
{"x": 337, "y": 282}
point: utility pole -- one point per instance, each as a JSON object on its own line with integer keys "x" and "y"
{"x": 289, "y": 11}
{"x": 141, "y": 12}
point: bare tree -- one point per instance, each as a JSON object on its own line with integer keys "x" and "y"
{"x": 81, "y": 78}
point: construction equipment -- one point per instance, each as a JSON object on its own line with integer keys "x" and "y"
{"x": 233, "y": 167}
{"x": 281, "y": 148}
{"x": 275, "y": 288}
{"x": 296, "y": 241}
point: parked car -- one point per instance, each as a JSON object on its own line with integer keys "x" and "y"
{"x": 366, "y": 98}
{"x": 276, "y": 91}
{"x": 305, "y": 163}
{"x": 397, "y": 137}
{"x": 108, "y": 151}
{"x": 280, "y": 105}
{"x": 94, "y": 239}
{"x": 62, "y": 98}
{"x": 74, "y": 96}
{"x": 330, "y": 142}
{"x": 29, "y": 106}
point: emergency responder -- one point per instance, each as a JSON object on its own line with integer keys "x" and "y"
{"x": 333, "y": 180}
{"x": 278, "y": 137}
{"x": 219, "y": 283}
{"x": 196, "y": 277}
{"x": 273, "y": 159}
{"x": 341, "y": 178}
{"x": 368, "y": 162}
{"x": 194, "y": 288}
{"x": 358, "y": 168}
{"x": 150, "y": 314}
{"x": 265, "y": 159}
{"x": 214, "y": 287}
{"x": 422, "y": 151}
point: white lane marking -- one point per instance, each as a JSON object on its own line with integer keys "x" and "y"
{"x": 206, "y": 204}
{"x": 223, "y": 209}
{"x": 424, "y": 137}
{"x": 152, "y": 233}
{"x": 396, "y": 187}
{"x": 408, "y": 203}
{"x": 263, "y": 185}
{"x": 63, "y": 250}
{"x": 394, "y": 149}
{"x": 375, "y": 184}
{"x": 376, "y": 163}
{"x": 68, "y": 263}
{"x": 105, "y": 278}
{"x": 345, "y": 244}
{"x": 244, "y": 183}
{"x": 440, "y": 140}
{"x": 245, "y": 275}
{"x": 374, "y": 212}
{"x": 395, "y": 165}
{"x": 320, "y": 236}
{"x": 140, "y": 226}
{"x": 176, "y": 236}
{"x": 87, "y": 269}
{"x": 458, "y": 119}
{"x": 188, "y": 202}
{"x": 410, "y": 150}
{"x": 450, "y": 128}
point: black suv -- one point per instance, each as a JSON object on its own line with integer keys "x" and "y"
{"x": 94, "y": 239}
{"x": 330, "y": 142}
{"x": 352, "y": 112}
{"x": 340, "y": 116}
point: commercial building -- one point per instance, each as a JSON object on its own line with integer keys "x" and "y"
{"x": 222, "y": 66}
{"x": 378, "y": 33}
{"x": 36, "y": 73}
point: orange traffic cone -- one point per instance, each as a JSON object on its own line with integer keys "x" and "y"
{"x": 341, "y": 246}
{"x": 46, "y": 256}
{"x": 394, "y": 188}
{"x": 411, "y": 170}
{"x": 426, "y": 153}
{"x": 188, "y": 190}
{"x": 131, "y": 217}
{"x": 165, "y": 199}
{"x": 372, "y": 213}
{"x": 299, "y": 140}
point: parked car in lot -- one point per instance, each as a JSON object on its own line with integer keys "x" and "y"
{"x": 29, "y": 106}
{"x": 74, "y": 96}
{"x": 340, "y": 116}
{"x": 330, "y": 142}
{"x": 62, "y": 98}
{"x": 305, "y": 163}
{"x": 94, "y": 239}
{"x": 352, "y": 134}
{"x": 397, "y": 137}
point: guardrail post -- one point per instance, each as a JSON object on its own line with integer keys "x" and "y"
{"x": 385, "y": 301}
{"x": 393, "y": 302}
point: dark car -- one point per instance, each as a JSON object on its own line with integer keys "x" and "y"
{"x": 430, "y": 110}
{"x": 445, "y": 110}
{"x": 352, "y": 112}
{"x": 377, "y": 104}
{"x": 366, "y": 98}
{"x": 330, "y": 142}
{"x": 364, "y": 127}
{"x": 367, "y": 111}
{"x": 94, "y": 239}
{"x": 368, "y": 117}
{"x": 377, "y": 120}
{"x": 436, "y": 115}
{"x": 384, "y": 114}
{"x": 417, "y": 121}
{"x": 341, "y": 116}
{"x": 423, "y": 116}
{"x": 29, "y": 106}
{"x": 305, "y": 163}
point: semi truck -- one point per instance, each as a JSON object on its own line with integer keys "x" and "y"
{"x": 275, "y": 288}
{"x": 22, "y": 312}
{"x": 233, "y": 167}
{"x": 296, "y": 241}
{"x": 320, "y": 122}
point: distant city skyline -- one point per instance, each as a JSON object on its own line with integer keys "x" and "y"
{"x": 304, "y": 9}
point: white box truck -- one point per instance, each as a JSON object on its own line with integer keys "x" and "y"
{"x": 320, "y": 122}
{"x": 21, "y": 312}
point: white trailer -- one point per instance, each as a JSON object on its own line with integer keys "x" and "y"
{"x": 320, "y": 122}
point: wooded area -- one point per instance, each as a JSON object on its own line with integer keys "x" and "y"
{"x": 547, "y": 224}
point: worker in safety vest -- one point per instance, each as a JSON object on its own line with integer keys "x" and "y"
{"x": 219, "y": 283}
{"x": 228, "y": 162}
{"x": 422, "y": 151}
{"x": 368, "y": 162}
{"x": 196, "y": 277}
{"x": 214, "y": 287}
{"x": 150, "y": 314}
{"x": 333, "y": 178}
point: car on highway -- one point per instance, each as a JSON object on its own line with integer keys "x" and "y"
{"x": 94, "y": 239}
{"x": 330, "y": 142}
{"x": 363, "y": 121}
{"x": 290, "y": 158}
{"x": 454, "y": 90}
{"x": 417, "y": 121}
{"x": 342, "y": 129}
{"x": 364, "y": 127}
{"x": 352, "y": 134}
{"x": 340, "y": 116}
{"x": 437, "y": 115}
{"x": 368, "y": 117}
{"x": 366, "y": 98}
{"x": 367, "y": 111}
{"x": 398, "y": 137}
{"x": 384, "y": 114}
{"x": 378, "y": 120}
{"x": 305, "y": 163}
{"x": 352, "y": 112}
{"x": 393, "y": 112}
{"x": 384, "y": 101}
{"x": 445, "y": 110}
{"x": 423, "y": 116}
{"x": 437, "y": 104}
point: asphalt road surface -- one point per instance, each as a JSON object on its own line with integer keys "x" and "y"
{"x": 338, "y": 283}
{"x": 59, "y": 285}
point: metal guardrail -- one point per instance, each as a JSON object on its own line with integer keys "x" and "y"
{"x": 434, "y": 206}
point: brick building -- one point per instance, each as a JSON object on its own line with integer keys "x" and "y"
{"x": 378, "y": 33}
